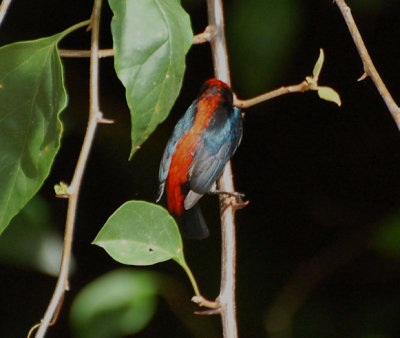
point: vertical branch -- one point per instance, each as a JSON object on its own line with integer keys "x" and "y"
{"x": 225, "y": 183}
{"x": 369, "y": 67}
{"x": 218, "y": 42}
{"x": 73, "y": 190}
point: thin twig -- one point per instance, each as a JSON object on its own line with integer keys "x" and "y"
{"x": 201, "y": 301}
{"x": 82, "y": 53}
{"x": 227, "y": 297}
{"x": 202, "y": 37}
{"x": 5, "y": 4}
{"x": 369, "y": 67}
{"x": 299, "y": 88}
{"x": 73, "y": 190}
{"x": 104, "y": 53}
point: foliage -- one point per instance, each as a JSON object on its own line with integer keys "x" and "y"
{"x": 32, "y": 97}
{"x": 119, "y": 303}
{"x": 29, "y": 119}
{"x": 141, "y": 233}
{"x": 31, "y": 240}
{"x": 318, "y": 174}
{"x": 151, "y": 39}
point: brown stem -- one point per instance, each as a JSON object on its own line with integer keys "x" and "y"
{"x": 81, "y": 53}
{"x": 103, "y": 53}
{"x": 201, "y": 301}
{"x": 369, "y": 67}
{"x": 299, "y": 88}
{"x": 5, "y": 4}
{"x": 202, "y": 37}
{"x": 73, "y": 190}
{"x": 228, "y": 251}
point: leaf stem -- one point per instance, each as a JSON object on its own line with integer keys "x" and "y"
{"x": 182, "y": 263}
{"x": 227, "y": 297}
{"x": 369, "y": 67}
{"x": 73, "y": 190}
{"x": 75, "y": 27}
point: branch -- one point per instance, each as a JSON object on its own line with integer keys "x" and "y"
{"x": 225, "y": 304}
{"x": 5, "y": 4}
{"x": 104, "y": 53}
{"x": 226, "y": 297}
{"x": 202, "y": 37}
{"x": 95, "y": 117}
{"x": 299, "y": 88}
{"x": 369, "y": 67}
{"x": 81, "y": 53}
{"x": 309, "y": 83}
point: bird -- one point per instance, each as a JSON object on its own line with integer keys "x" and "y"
{"x": 202, "y": 142}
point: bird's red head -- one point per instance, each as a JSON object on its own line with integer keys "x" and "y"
{"x": 213, "y": 86}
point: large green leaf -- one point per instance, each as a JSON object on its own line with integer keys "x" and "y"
{"x": 151, "y": 39}
{"x": 32, "y": 95}
{"x": 142, "y": 233}
{"x": 119, "y": 303}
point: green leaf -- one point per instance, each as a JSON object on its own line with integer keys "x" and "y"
{"x": 142, "y": 233}
{"x": 118, "y": 304}
{"x": 318, "y": 65}
{"x": 329, "y": 94}
{"x": 32, "y": 96}
{"x": 151, "y": 39}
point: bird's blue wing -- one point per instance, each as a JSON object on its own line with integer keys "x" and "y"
{"x": 183, "y": 125}
{"x": 218, "y": 144}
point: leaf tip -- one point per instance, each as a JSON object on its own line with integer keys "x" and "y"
{"x": 134, "y": 149}
{"x": 98, "y": 243}
{"x": 318, "y": 65}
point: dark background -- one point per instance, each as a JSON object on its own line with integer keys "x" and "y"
{"x": 322, "y": 181}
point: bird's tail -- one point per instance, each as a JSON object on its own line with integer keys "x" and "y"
{"x": 193, "y": 225}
